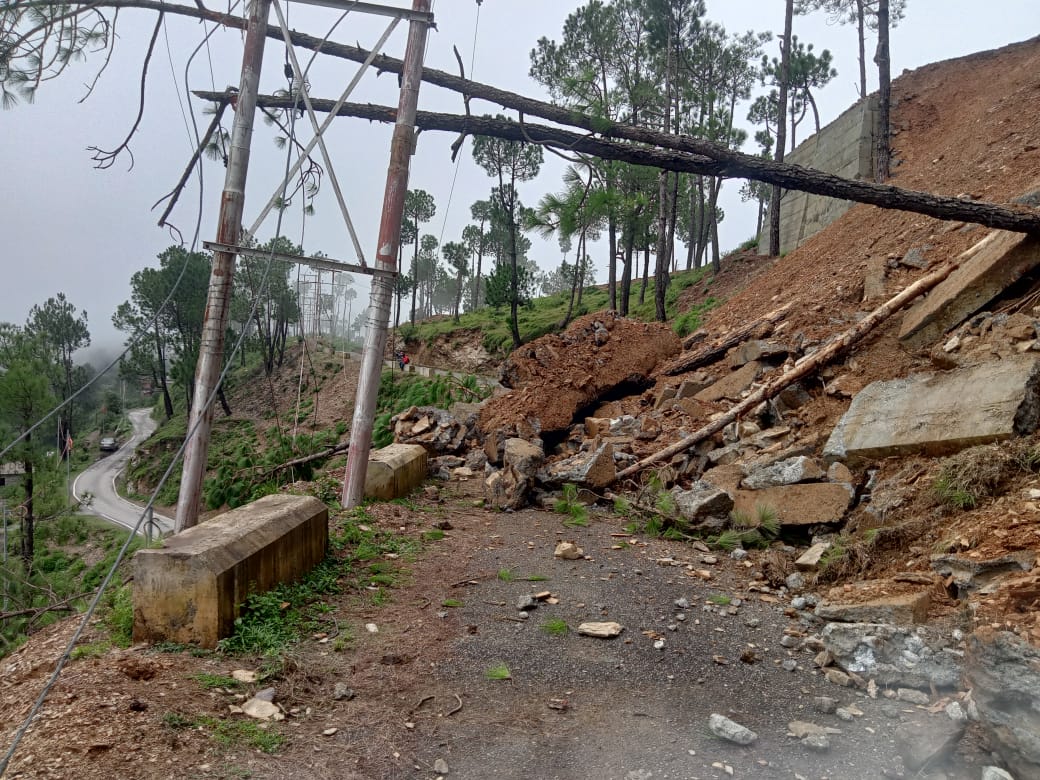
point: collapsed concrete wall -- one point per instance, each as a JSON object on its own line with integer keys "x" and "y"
{"x": 844, "y": 147}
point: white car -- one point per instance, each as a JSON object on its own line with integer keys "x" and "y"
{"x": 108, "y": 444}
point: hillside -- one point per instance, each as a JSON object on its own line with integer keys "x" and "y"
{"x": 437, "y": 575}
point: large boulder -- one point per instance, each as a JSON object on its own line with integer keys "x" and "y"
{"x": 593, "y": 468}
{"x": 702, "y": 501}
{"x": 935, "y": 413}
{"x": 508, "y": 487}
{"x": 785, "y": 472}
{"x": 1003, "y": 673}
{"x": 559, "y": 375}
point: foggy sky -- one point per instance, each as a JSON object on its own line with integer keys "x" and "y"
{"x": 67, "y": 227}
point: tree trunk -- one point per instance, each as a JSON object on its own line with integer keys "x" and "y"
{"x": 883, "y": 166}
{"x": 691, "y": 245}
{"x": 672, "y": 213}
{"x": 574, "y": 280}
{"x": 612, "y": 264}
{"x": 415, "y": 270}
{"x": 626, "y": 277}
{"x": 223, "y": 401}
{"x": 687, "y": 155}
{"x": 646, "y": 274}
{"x": 861, "y": 29}
{"x": 781, "y": 130}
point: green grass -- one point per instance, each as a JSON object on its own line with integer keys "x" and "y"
{"x": 555, "y": 627}
{"x": 433, "y": 535}
{"x": 211, "y": 681}
{"x": 720, "y": 599}
{"x": 498, "y": 671}
{"x": 535, "y": 578}
{"x": 570, "y": 506}
{"x": 506, "y": 575}
{"x": 451, "y": 603}
{"x": 230, "y": 733}
{"x": 92, "y": 650}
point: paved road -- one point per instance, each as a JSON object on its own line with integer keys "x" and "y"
{"x": 99, "y": 480}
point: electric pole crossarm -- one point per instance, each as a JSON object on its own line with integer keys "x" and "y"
{"x": 375, "y": 9}
{"x": 325, "y": 263}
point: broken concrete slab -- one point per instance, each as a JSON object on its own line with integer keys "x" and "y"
{"x": 896, "y": 656}
{"x": 785, "y": 472}
{"x": 898, "y": 610}
{"x": 933, "y": 414}
{"x": 732, "y": 384}
{"x": 806, "y": 504}
{"x": 810, "y": 559}
{"x": 395, "y": 471}
{"x": 986, "y": 270}
{"x": 191, "y": 589}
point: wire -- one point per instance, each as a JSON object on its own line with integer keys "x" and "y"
{"x": 458, "y": 158}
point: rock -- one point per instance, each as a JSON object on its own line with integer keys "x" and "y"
{"x": 244, "y": 676}
{"x": 568, "y": 551}
{"x": 810, "y": 559}
{"x": 956, "y": 712}
{"x": 983, "y": 272}
{"x": 793, "y": 397}
{"x": 912, "y": 657}
{"x": 1003, "y": 672}
{"x": 913, "y": 696}
{"x": 439, "y": 431}
{"x": 523, "y": 456}
{"x": 838, "y": 677}
{"x": 901, "y": 610}
{"x": 839, "y": 472}
{"x": 342, "y": 692}
{"x": 690, "y": 387}
{"x": 756, "y": 349}
{"x": 789, "y": 665}
{"x": 665, "y": 397}
{"x": 996, "y": 773}
{"x": 526, "y": 602}
{"x": 929, "y": 743}
{"x": 785, "y": 472}
{"x": 971, "y": 574}
{"x": 509, "y": 488}
{"x": 799, "y": 729}
{"x": 817, "y": 742}
{"x": 606, "y": 630}
{"x": 806, "y": 504}
{"x": 594, "y": 469}
{"x": 701, "y": 501}
{"x": 732, "y": 384}
{"x": 724, "y": 728}
{"x": 794, "y": 581}
{"x": 844, "y": 714}
{"x": 261, "y": 709}
{"x": 931, "y": 413}
{"x": 825, "y": 704}
{"x": 440, "y": 766}
{"x": 799, "y": 602}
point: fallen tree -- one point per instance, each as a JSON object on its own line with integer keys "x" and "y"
{"x": 792, "y": 177}
{"x": 806, "y": 366}
{"x": 709, "y": 353}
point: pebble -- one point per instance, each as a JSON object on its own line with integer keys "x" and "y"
{"x": 788, "y": 641}
{"x": 440, "y": 766}
{"x": 371, "y": 628}
{"x": 342, "y": 692}
{"x": 523, "y": 615}
{"x": 682, "y": 603}
{"x": 913, "y": 696}
{"x": 739, "y": 554}
{"x": 789, "y": 665}
{"x": 795, "y": 581}
{"x": 752, "y": 622}
{"x": 843, "y": 714}
{"x": 798, "y": 602}
{"x": 818, "y": 742}
{"x": 825, "y": 704}
{"x": 526, "y": 601}
{"x": 956, "y": 712}
{"x": 724, "y": 728}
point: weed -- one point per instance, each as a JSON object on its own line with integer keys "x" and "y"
{"x": 948, "y": 492}
{"x": 451, "y": 603}
{"x": 720, "y": 599}
{"x": 498, "y": 671}
{"x": 570, "y": 505}
{"x": 728, "y": 540}
{"x": 622, "y": 506}
{"x": 210, "y": 681}
{"x": 433, "y": 535}
{"x": 834, "y": 554}
{"x": 92, "y": 650}
{"x": 506, "y": 575}
{"x": 176, "y": 721}
{"x": 535, "y": 578}
{"x": 740, "y": 519}
{"x": 768, "y": 520}
{"x": 240, "y": 733}
{"x": 120, "y": 615}
{"x": 555, "y": 627}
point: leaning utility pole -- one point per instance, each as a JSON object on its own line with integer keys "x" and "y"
{"x": 218, "y": 303}
{"x": 401, "y": 147}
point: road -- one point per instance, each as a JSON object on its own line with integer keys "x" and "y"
{"x": 99, "y": 480}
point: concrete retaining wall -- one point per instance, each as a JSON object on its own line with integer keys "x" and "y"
{"x": 191, "y": 589}
{"x": 844, "y": 147}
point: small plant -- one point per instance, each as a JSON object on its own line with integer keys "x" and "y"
{"x": 768, "y": 521}
{"x": 176, "y": 721}
{"x": 728, "y": 540}
{"x": 535, "y": 578}
{"x": 950, "y": 493}
{"x": 570, "y": 505}
{"x": 92, "y": 650}
{"x": 741, "y": 519}
{"x": 120, "y": 617}
{"x": 433, "y": 535}
{"x": 622, "y": 506}
{"x": 720, "y": 599}
{"x": 211, "y": 681}
{"x": 834, "y": 554}
{"x": 506, "y": 575}
{"x": 498, "y": 671}
{"x": 451, "y": 603}
{"x": 555, "y": 627}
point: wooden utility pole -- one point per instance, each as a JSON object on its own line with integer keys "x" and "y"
{"x": 401, "y": 148}
{"x": 781, "y": 128}
{"x": 218, "y": 303}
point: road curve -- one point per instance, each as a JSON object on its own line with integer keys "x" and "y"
{"x": 99, "y": 480}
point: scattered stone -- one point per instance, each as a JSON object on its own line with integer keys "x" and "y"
{"x": 342, "y": 692}
{"x": 810, "y": 559}
{"x": 594, "y": 469}
{"x": 798, "y": 602}
{"x": 244, "y": 676}
{"x": 794, "y": 581}
{"x": 839, "y": 472}
{"x": 785, "y": 472}
{"x": 817, "y": 742}
{"x": 929, "y": 743}
{"x": 809, "y": 503}
{"x": 996, "y": 773}
{"x": 724, "y": 728}
{"x": 789, "y": 665}
{"x": 605, "y": 630}
{"x": 738, "y": 554}
{"x": 371, "y": 628}
{"x": 440, "y": 766}
{"x": 262, "y": 709}
{"x": 825, "y": 704}
{"x": 526, "y": 602}
{"x": 701, "y": 501}
{"x": 844, "y": 714}
{"x": 838, "y": 677}
{"x": 568, "y": 551}
{"x": 956, "y": 712}
{"x": 789, "y": 641}
{"x": 800, "y": 729}
{"x": 913, "y": 696}
{"x": 972, "y": 575}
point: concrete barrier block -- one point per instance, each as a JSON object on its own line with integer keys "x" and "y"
{"x": 395, "y": 471}
{"x": 191, "y": 589}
